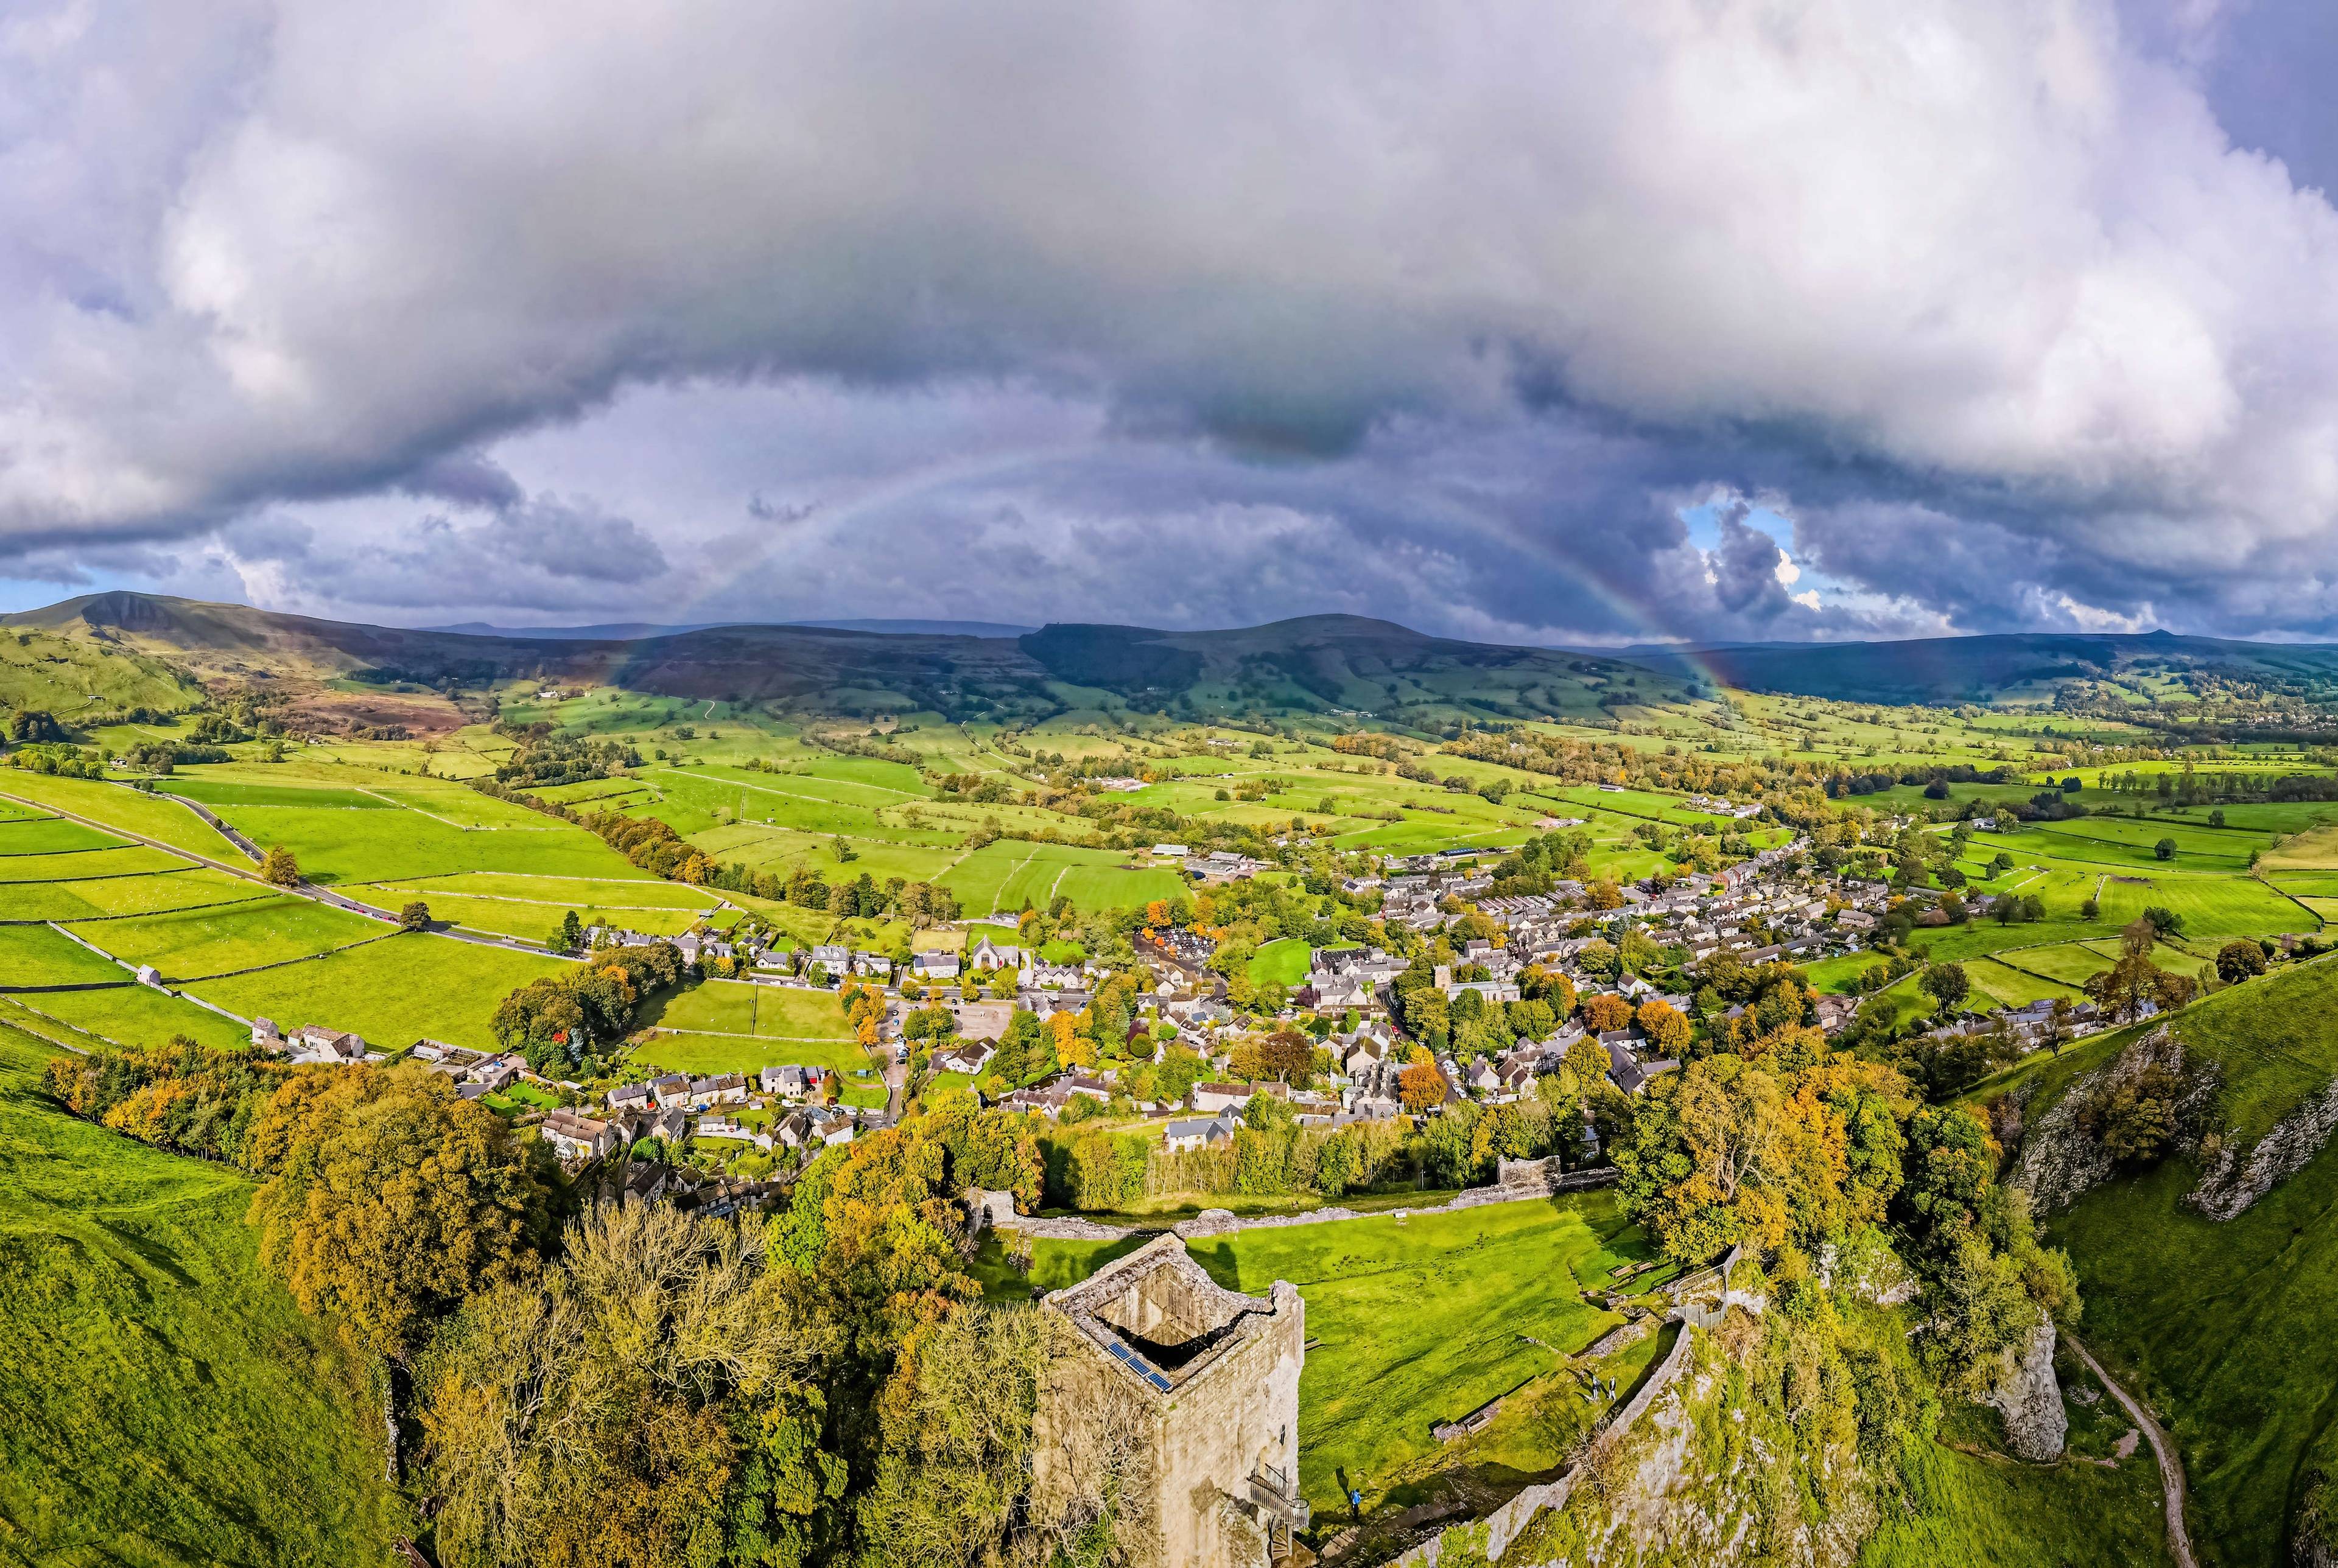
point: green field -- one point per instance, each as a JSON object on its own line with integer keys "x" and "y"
{"x": 1011, "y": 873}
{"x": 197, "y": 944}
{"x": 1423, "y": 1320}
{"x": 127, "y": 1015}
{"x": 105, "y": 896}
{"x": 529, "y": 919}
{"x": 147, "y": 816}
{"x": 637, "y": 891}
{"x": 392, "y": 992}
{"x": 738, "y": 1007}
{"x": 1282, "y": 962}
{"x": 51, "y": 836}
{"x": 703, "y": 1054}
{"x": 344, "y": 828}
{"x": 165, "y": 1404}
{"x": 35, "y": 956}
{"x": 130, "y": 859}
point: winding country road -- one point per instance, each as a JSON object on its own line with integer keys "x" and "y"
{"x": 2163, "y": 1447}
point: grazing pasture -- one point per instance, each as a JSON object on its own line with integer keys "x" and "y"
{"x": 197, "y": 944}
{"x": 132, "y": 1016}
{"x": 75, "y": 866}
{"x": 155, "y": 817}
{"x": 392, "y": 993}
{"x": 1005, "y": 876}
{"x": 32, "y": 956}
{"x": 51, "y": 836}
{"x": 168, "y": 1406}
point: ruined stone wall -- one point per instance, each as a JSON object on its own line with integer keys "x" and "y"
{"x": 1234, "y": 1416}
{"x": 1186, "y": 1502}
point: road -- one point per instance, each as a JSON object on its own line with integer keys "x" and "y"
{"x": 2171, "y": 1468}
{"x": 307, "y": 889}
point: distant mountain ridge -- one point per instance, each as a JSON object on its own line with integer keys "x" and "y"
{"x": 1349, "y": 667}
{"x": 633, "y": 630}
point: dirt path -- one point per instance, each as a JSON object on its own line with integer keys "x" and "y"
{"x": 2171, "y": 1468}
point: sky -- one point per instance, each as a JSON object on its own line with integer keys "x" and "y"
{"x": 1590, "y": 324}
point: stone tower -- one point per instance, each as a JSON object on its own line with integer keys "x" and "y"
{"x": 1203, "y": 1382}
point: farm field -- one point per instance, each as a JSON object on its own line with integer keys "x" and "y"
{"x": 1005, "y": 876}
{"x": 161, "y": 1390}
{"x": 697, "y": 1053}
{"x": 147, "y": 816}
{"x": 32, "y": 956}
{"x": 51, "y": 836}
{"x": 740, "y": 1007}
{"x": 140, "y": 895}
{"x": 392, "y": 993}
{"x": 130, "y": 1016}
{"x": 640, "y": 890}
{"x": 2011, "y": 987}
{"x": 359, "y": 829}
{"x": 528, "y": 919}
{"x": 130, "y": 859}
{"x": 198, "y": 943}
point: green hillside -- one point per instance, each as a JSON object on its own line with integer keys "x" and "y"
{"x": 2224, "y": 1326}
{"x": 162, "y": 1401}
{"x": 70, "y": 677}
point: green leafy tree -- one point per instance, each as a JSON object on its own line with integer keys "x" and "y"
{"x": 1947, "y": 984}
{"x": 2239, "y": 960}
{"x": 414, "y": 916}
{"x": 279, "y": 867}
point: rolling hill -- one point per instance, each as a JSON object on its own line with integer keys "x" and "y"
{"x": 1336, "y": 666}
{"x": 1981, "y": 669}
{"x": 2222, "y": 1324}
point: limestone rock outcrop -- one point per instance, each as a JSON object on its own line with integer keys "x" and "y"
{"x": 2030, "y": 1397}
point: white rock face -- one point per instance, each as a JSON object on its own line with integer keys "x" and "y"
{"x": 2234, "y": 1181}
{"x": 2030, "y": 1399}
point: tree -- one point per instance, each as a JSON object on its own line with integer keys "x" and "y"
{"x": 1663, "y": 1026}
{"x": 1606, "y": 1011}
{"x": 1948, "y": 984}
{"x": 414, "y": 916}
{"x": 279, "y": 868}
{"x": 660, "y": 1385}
{"x": 1421, "y": 1086}
{"x": 386, "y": 1199}
{"x": 2237, "y": 961}
{"x": 2165, "y": 923}
{"x": 34, "y": 724}
{"x": 572, "y": 932}
{"x": 2164, "y": 849}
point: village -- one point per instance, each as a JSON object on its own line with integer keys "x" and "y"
{"x": 1776, "y": 907}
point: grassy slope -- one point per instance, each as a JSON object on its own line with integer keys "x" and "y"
{"x": 2224, "y": 1327}
{"x": 392, "y": 993}
{"x": 1420, "y": 1319}
{"x": 162, "y": 1402}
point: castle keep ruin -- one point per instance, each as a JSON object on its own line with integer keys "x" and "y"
{"x": 1201, "y": 1385}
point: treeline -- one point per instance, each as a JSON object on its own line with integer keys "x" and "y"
{"x": 544, "y": 758}
{"x": 560, "y": 1022}
{"x": 1842, "y": 783}
{"x": 820, "y": 1387}
{"x": 1270, "y": 1155}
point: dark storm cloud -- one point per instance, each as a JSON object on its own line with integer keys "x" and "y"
{"x": 1181, "y": 312}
